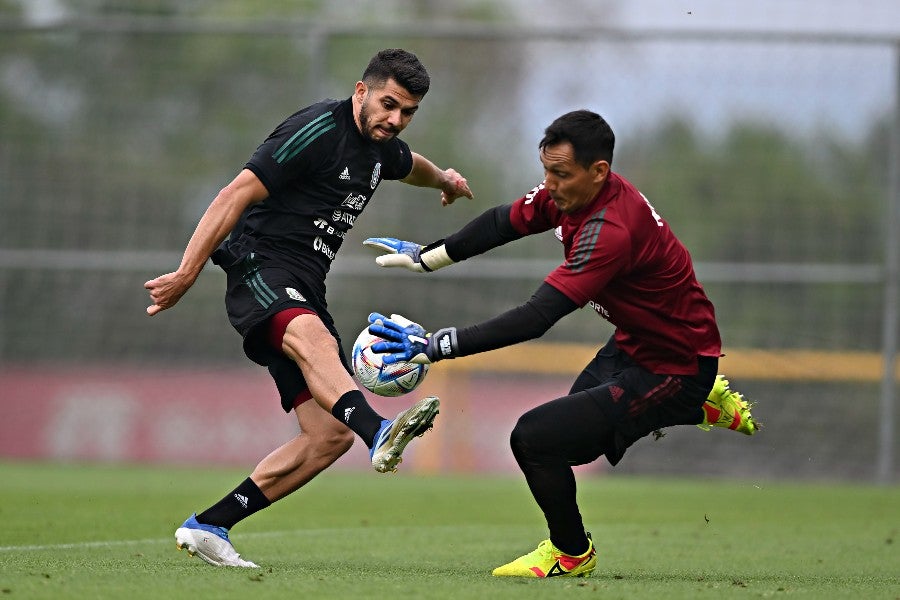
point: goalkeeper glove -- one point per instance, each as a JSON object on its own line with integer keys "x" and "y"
{"x": 410, "y": 255}
{"x": 406, "y": 341}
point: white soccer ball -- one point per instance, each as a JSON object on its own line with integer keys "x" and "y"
{"x": 385, "y": 380}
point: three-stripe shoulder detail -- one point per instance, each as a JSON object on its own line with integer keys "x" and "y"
{"x": 304, "y": 137}
{"x": 587, "y": 241}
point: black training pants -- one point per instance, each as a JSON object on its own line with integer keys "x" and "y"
{"x": 611, "y": 405}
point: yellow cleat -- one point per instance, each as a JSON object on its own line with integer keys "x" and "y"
{"x": 726, "y": 408}
{"x": 549, "y": 561}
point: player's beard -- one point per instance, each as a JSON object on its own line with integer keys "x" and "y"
{"x": 366, "y": 127}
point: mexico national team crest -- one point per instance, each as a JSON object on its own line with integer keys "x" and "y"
{"x": 376, "y": 175}
{"x": 292, "y": 293}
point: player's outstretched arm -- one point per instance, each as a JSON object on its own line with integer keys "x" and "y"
{"x": 218, "y": 221}
{"x": 406, "y": 341}
{"x": 425, "y": 173}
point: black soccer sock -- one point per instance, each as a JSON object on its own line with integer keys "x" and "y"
{"x": 245, "y": 500}
{"x": 546, "y": 442}
{"x": 352, "y": 410}
{"x": 553, "y": 487}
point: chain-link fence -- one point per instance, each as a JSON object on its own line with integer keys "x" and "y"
{"x": 774, "y": 158}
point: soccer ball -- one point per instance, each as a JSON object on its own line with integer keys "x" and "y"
{"x": 385, "y": 380}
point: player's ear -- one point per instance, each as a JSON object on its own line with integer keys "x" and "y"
{"x": 360, "y": 91}
{"x": 600, "y": 170}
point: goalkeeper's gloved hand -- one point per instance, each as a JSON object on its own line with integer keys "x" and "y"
{"x": 406, "y": 341}
{"x": 410, "y": 255}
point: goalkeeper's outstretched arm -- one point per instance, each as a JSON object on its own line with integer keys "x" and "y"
{"x": 489, "y": 230}
{"x": 528, "y": 321}
{"x": 407, "y": 341}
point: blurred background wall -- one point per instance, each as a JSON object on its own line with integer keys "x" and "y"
{"x": 766, "y": 137}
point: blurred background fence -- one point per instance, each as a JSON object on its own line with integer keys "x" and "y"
{"x": 773, "y": 155}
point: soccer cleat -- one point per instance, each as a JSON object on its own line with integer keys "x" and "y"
{"x": 393, "y": 436}
{"x": 210, "y": 543}
{"x": 549, "y": 561}
{"x": 726, "y": 408}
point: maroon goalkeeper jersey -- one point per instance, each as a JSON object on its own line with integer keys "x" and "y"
{"x": 623, "y": 261}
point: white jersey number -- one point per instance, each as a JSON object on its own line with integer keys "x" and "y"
{"x": 656, "y": 217}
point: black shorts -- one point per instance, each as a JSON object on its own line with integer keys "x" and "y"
{"x": 637, "y": 402}
{"x": 257, "y": 289}
{"x": 612, "y": 404}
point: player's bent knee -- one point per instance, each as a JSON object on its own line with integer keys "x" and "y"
{"x": 522, "y": 436}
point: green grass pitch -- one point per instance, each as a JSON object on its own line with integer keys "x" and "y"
{"x": 87, "y": 531}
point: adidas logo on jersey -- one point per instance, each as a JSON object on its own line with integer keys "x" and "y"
{"x": 345, "y": 174}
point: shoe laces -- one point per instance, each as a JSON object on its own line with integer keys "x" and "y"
{"x": 546, "y": 549}
{"x": 543, "y": 551}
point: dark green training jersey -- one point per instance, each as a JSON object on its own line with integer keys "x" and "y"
{"x": 320, "y": 172}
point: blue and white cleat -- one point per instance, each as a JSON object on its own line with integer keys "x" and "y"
{"x": 394, "y": 435}
{"x": 210, "y": 543}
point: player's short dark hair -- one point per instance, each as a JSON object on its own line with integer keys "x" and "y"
{"x": 404, "y": 67}
{"x": 591, "y": 136}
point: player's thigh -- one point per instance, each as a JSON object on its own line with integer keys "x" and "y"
{"x": 639, "y": 402}
{"x": 307, "y": 340}
{"x": 317, "y": 352}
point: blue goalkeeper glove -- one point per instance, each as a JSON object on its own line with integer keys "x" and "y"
{"x": 410, "y": 255}
{"x": 406, "y": 341}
